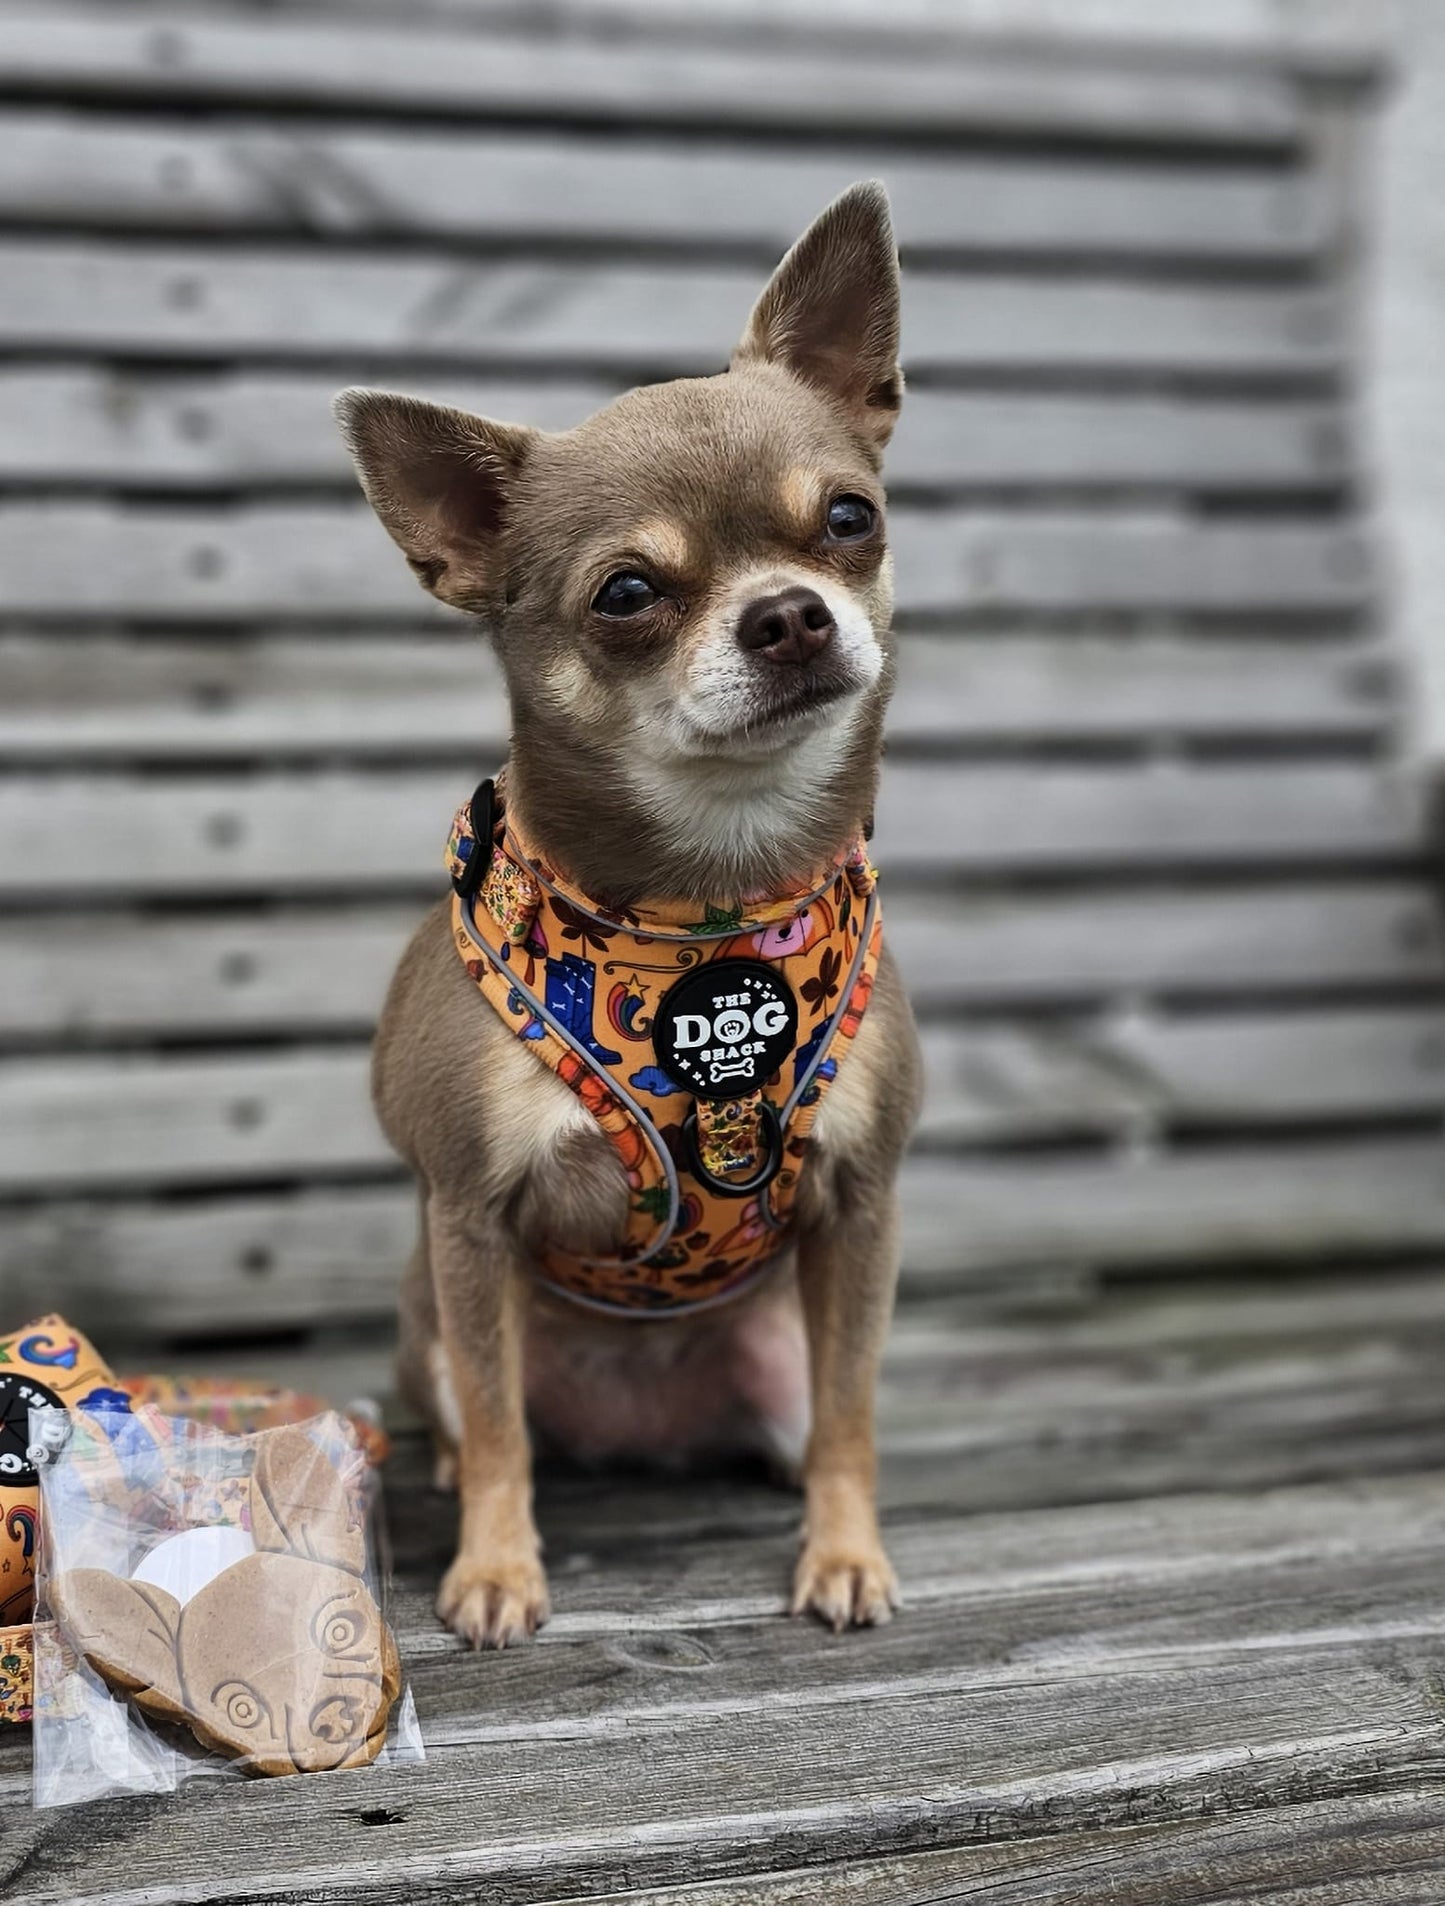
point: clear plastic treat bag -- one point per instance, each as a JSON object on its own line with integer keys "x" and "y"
{"x": 207, "y": 1603}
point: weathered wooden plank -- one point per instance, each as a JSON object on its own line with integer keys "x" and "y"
{"x": 67, "y": 1122}
{"x": 330, "y": 831}
{"x": 1129, "y": 1394}
{"x": 105, "y": 698}
{"x": 63, "y": 558}
{"x": 983, "y": 817}
{"x": 314, "y": 970}
{"x": 998, "y": 948}
{"x": 296, "y": 1259}
{"x": 196, "y": 300}
{"x": 321, "y": 1256}
{"x": 962, "y": 1630}
{"x": 956, "y": 1637}
{"x": 1257, "y": 1203}
{"x": 1337, "y": 38}
{"x": 128, "y": 427}
{"x": 982, "y": 1344}
{"x": 248, "y": 972}
{"x": 1133, "y": 1072}
{"x": 983, "y": 1422}
{"x": 1325, "y": 1853}
{"x": 995, "y": 440}
{"x": 99, "y": 697}
{"x": 171, "y": 54}
{"x": 522, "y": 186}
{"x": 93, "y": 1123}
{"x": 1106, "y": 1748}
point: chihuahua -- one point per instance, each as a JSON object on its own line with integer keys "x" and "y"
{"x": 690, "y": 595}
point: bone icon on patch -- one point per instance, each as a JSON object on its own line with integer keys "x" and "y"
{"x": 742, "y": 1070}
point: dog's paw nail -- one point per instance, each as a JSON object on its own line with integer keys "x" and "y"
{"x": 845, "y": 1590}
{"x": 494, "y": 1604}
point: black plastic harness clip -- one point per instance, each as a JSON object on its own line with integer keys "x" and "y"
{"x": 482, "y": 810}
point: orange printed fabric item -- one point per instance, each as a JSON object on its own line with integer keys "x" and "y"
{"x": 701, "y": 1040}
{"x": 45, "y": 1362}
{"x": 17, "y": 1675}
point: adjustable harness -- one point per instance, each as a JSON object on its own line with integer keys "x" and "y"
{"x": 701, "y": 1040}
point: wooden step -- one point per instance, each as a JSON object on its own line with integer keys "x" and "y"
{"x": 88, "y": 424}
{"x": 375, "y": 66}
{"x": 333, "y": 832}
{"x": 172, "y": 300}
{"x": 327, "y": 1255}
{"x": 523, "y": 187}
{"x": 324, "y": 969}
{"x": 96, "y": 1123}
{"x": 316, "y": 559}
{"x": 416, "y": 692}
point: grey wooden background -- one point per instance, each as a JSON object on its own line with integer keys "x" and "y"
{"x": 1158, "y": 882}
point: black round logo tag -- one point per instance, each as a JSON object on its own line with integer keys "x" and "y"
{"x": 17, "y": 1395}
{"x": 723, "y": 1029}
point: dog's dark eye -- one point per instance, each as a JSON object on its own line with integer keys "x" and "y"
{"x": 850, "y": 518}
{"x": 624, "y": 594}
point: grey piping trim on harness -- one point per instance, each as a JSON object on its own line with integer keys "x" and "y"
{"x": 649, "y": 1130}
{"x": 686, "y": 1307}
{"x": 790, "y": 1105}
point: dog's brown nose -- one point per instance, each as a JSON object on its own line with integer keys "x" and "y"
{"x": 792, "y": 626}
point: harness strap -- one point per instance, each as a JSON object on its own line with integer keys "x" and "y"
{"x": 646, "y": 1015}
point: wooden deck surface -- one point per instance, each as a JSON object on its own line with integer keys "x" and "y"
{"x": 1174, "y": 1633}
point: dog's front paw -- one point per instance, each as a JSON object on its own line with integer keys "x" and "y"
{"x": 495, "y": 1600}
{"x": 846, "y": 1584}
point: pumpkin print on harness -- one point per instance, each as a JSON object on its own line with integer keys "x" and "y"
{"x": 701, "y": 1040}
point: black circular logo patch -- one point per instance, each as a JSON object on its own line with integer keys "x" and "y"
{"x": 722, "y": 1030}
{"x": 17, "y": 1396}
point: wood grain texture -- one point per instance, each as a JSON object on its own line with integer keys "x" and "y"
{"x": 170, "y": 53}
{"x": 315, "y": 1254}
{"x": 1330, "y": 1853}
{"x": 309, "y": 970}
{"x": 130, "y": 427}
{"x": 177, "y": 301}
{"x": 998, "y": 946}
{"x": 415, "y": 692}
{"x": 158, "y": 174}
{"x": 1134, "y": 1072}
{"x": 304, "y": 833}
{"x": 312, "y": 559}
{"x": 1341, "y": 39}
{"x": 96, "y": 1123}
{"x": 1205, "y": 1737}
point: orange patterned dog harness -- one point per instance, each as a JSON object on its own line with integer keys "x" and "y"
{"x": 702, "y": 1046}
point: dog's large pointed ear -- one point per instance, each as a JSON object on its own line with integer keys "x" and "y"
{"x": 440, "y": 480}
{"x": 300, "y": 1505}
{"x": 830, "y": 312}
{"x": 126, "y": 1630}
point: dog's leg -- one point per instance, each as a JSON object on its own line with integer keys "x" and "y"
{"x": 846, "y": 1277}
{"x": 495, "y": 1592}
{"x": 423, "y": 1382}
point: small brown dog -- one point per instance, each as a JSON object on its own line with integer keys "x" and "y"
{"x": 690, "y": 594}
